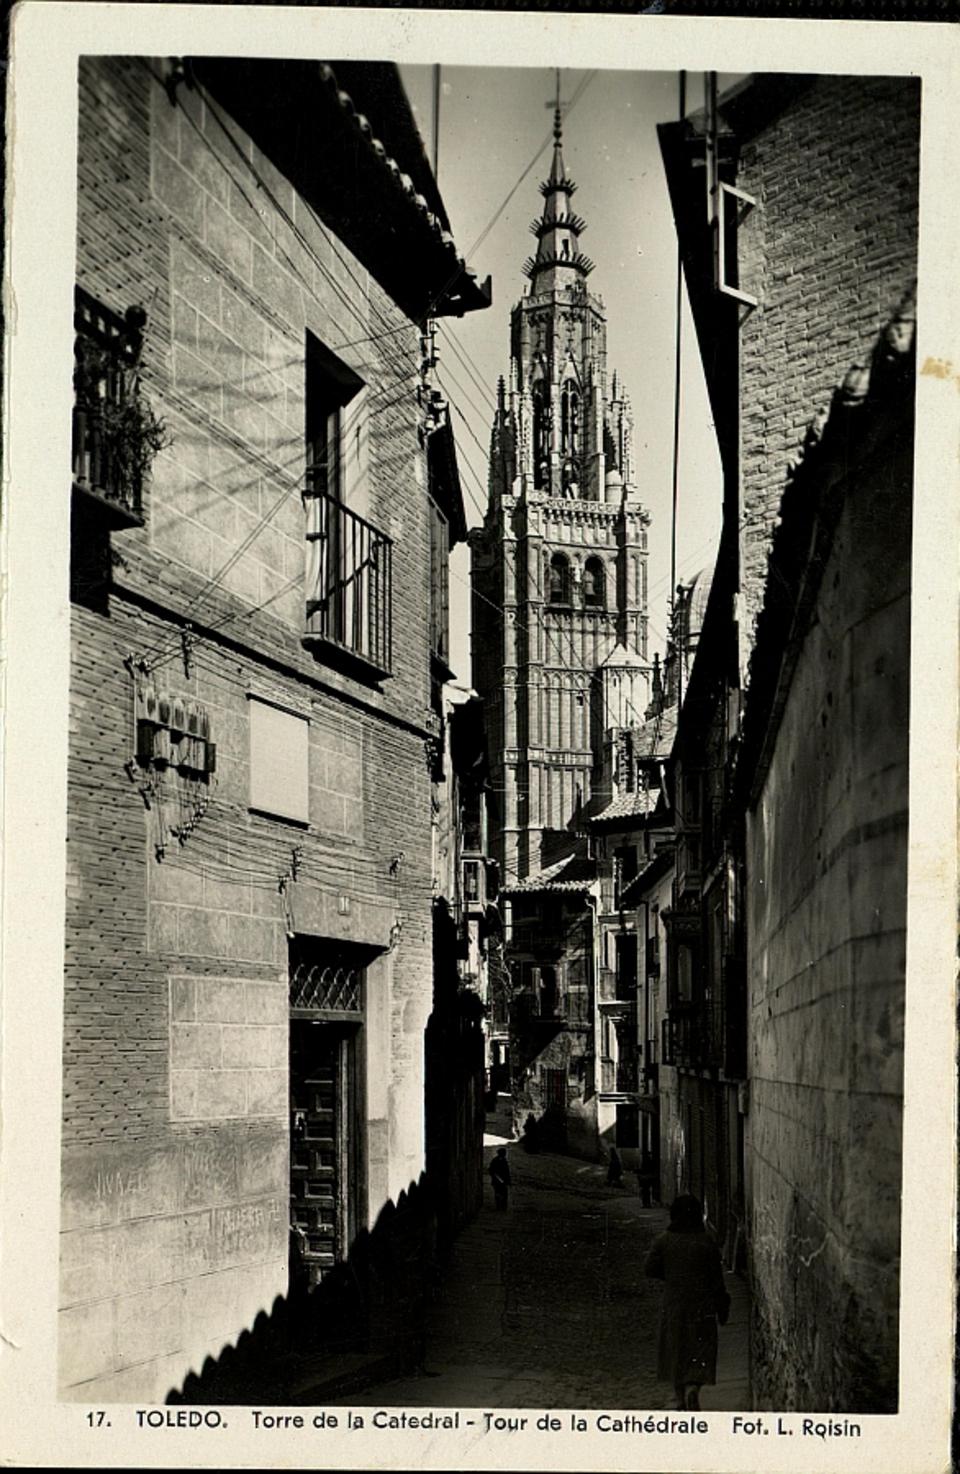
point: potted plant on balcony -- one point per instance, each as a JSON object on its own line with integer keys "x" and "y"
{"x": 117, "y": 435}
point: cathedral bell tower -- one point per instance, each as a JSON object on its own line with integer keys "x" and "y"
{"x": 559, "y": 567}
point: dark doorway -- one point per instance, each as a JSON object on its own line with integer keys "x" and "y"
{"x": 326, "y": 1105}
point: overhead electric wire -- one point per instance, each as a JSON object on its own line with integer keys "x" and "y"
{"x": 389, "y": 330}
{"x": 468, "y": 364}
{"x": 365, "y": 403}
{"x": 216, "y": 579}
{"x": 578, "y": 93}
{"x": 261, "y": 184}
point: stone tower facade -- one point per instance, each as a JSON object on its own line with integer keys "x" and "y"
{"x": 559, "y": 567}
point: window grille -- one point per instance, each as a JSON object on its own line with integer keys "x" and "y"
{"x": 349, "y": 561}
{"x": 349, "y": 581}
{"x": 326, "y": 987}
{"x": 112, "y": 426}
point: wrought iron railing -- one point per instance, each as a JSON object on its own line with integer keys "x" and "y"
{"x": 685, "y": 1037}
{"x": 563, "y": 1008}
{"x": 628, "y": 1075}
{"x": 349, "y": 581}
{"x": 111, "y": 425}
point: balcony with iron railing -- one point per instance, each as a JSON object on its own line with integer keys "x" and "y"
{"x": 689, "y": 862}
{"x": 349, "y": 586}
{"x": 115, "y": 434}
{"x": 628, "y": 1075}
{"x": 545, "y": 1010}
{"x": 474, "y": 885}
{"x": 607, "y": 990}
{"x": 687, "y": 1038}
{"x": 620, "y": 1077}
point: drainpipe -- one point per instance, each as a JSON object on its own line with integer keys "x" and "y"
{"x": 593, "y": 902}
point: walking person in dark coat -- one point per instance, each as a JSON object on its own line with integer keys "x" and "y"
{"x": 646, "y": 1177}
{"x": 615, "y": 1169}
{"x": 687, "y": 1259}
{"x": 499, "y": 1170}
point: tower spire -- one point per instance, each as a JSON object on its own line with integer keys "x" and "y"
{"x": 558, "y": 260}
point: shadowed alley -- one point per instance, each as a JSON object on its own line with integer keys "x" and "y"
{"x": 547, "y": 1305}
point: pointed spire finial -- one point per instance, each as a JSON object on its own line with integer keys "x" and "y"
{"x": 558, "y": 230}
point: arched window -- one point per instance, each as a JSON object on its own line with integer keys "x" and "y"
{"x": 559, "y": 579}
{"x": 570, "y": 418}
{"x": 594, "y": 584}
{"x": 541, "y": 448}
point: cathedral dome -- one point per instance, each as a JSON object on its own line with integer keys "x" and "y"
{"x": 699, "y": 594}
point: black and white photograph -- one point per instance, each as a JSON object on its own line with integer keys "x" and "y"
{"x": 496, "y": 810}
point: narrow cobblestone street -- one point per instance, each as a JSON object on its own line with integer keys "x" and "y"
{"x": 546, "y": 1305}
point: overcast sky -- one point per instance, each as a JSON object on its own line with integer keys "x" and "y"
{"x": 492, "y": 123}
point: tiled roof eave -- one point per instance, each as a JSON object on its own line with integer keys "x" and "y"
{"x": 535, "y": 887}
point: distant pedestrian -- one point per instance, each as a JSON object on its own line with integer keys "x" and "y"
{"x": 499, "y": 1170}
{"x": 687, "y": 1259}
{"x": 614, "y": 1169}
{"x": 646, "y": 1177}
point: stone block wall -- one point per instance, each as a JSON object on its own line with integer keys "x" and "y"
{"x": 826, "y": 895}
{"x": 176, "y": 1122}
{"x": 829, "y": 250}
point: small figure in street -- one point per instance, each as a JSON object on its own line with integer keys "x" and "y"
{"x": 499, "y": 1170}
{"x": 695, "y": 1298}
{"x": 646, "y": 1178}
{"x": 615, "y": 1169}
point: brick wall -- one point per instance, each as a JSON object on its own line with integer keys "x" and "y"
{"x": 830, "y": 251}
{"x": 175, "y": 1168}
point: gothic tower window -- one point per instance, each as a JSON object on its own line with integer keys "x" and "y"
{"x": 541, "y": 447}
{"x": 559, "y": 579}
{"x": 570, "y": 418}
{"x": 594, "y": 584}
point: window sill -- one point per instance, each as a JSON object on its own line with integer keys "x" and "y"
{"x": 111, "y": 511}
{"x": 345, "y": 660}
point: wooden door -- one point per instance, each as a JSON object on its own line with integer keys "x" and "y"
{"x": 318, "y": 1162}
